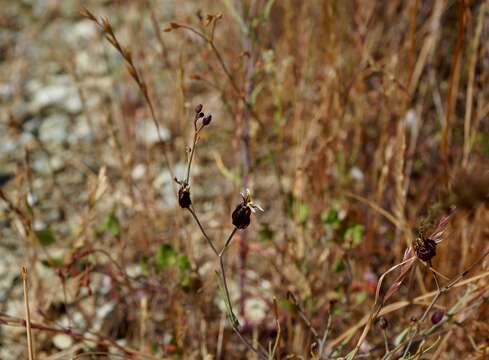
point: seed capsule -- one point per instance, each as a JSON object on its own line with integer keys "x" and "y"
{"x": 184, "y": 199}
{"x": 437, "y": 316}
{"x": 241, "y": 216}
{"x": 198, "y": 108}
{"x": 207, "y": 120}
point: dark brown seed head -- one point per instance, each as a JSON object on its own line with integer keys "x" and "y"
{"x": 241, "y": 216}
{"x": 425, "y": 248}
{"x": 437, "y": 316}
{"x": 184, "y": 197}
{"x": 200, "y": 115}
{"x": 207, "y": 120}
{"x": 198, "y": 108}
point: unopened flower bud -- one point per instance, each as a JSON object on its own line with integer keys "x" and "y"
{"x": 198, "y": 108}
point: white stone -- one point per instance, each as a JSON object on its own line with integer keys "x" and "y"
{"x": 80, "y": 130}
{"x": 255, "y": 309}
{"x": 146, "y": 131}
{"x": 138, "y": 171}
{"x": 54, "y": 128}
{"x": 62, "y": 341}
{"x": 356, "y": 174}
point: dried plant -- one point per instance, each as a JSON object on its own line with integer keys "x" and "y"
{"x": 240, "y": 218}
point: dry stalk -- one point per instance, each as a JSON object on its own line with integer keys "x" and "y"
{"x": 30, "y": 348}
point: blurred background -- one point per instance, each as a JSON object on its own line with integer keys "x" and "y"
{"x": 355, "y": 124}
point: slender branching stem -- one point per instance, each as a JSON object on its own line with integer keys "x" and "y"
{"x": 211, "y": 43}
{"x": 196, "y": 218}
{"x": 220, "y": 255}
{"x": 228, "y": 241}
{"x": 438, "y": 293}
{"x": 223, "y": 273}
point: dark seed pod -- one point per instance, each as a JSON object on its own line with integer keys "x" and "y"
{"x": 207, "y": 120}
{"x": 241, "y": 216}
{"x": 198, "y": 108}
{"x": 437, "y": 316}
{"x": 425, "y": 249}
{"x": 184, "y": 197}
{"x": 201, "y": 114}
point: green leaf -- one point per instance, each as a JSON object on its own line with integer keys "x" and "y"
{"x": 185, "y": 279}
{"x": 45, "y": 237}
{"x": 165, "y": 256}
{"x": 303, "y": 212}
{"x": 338, "y": 266}
{"x": 285, "y": 304}
{"x": 361, "y": 297}
{"x": 330, "y": 218}
{"x": 399, "y": 338}
{"x": 144, "y": 263}
{"x": 267, "y": 8}
{"x": 113, "y": 225}
{"x": 265, "y": 233}
{"x": 183, "y": 262}
{"x": 355, "y": 234}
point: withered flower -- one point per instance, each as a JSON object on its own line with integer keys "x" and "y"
{"x": 242, "y": 214}
{"x": 425, "y": 248}
{"x": 184, "y": 196}
{"x": 425, "y": 245}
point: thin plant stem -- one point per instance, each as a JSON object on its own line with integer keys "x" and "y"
{"x": 27, "y": 314}
{"x": 228, "y": 241}
{"x": 220, "y": 255}
{"x": 438, "y": 293}
{"x": 386, "y": 341}
{"x": 279, "y": 330}
{"x": 223, "y": 273}
{"x": 192, "y": 151}
{"x": 325, "y": 336}
{"x": 194, "y": 215}
{"x": 216, "y": 52}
